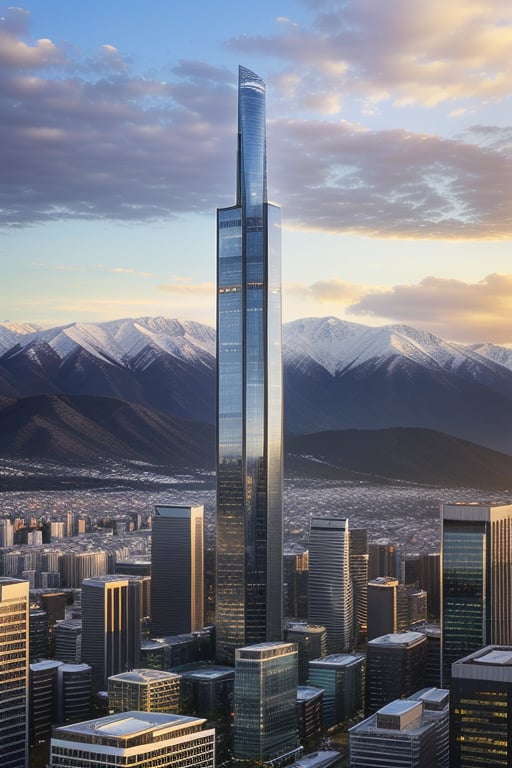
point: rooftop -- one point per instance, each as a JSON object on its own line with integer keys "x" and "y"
{"x": 128, "y": 724}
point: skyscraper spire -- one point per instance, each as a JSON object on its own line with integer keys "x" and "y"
{"x": 249, "y": 395}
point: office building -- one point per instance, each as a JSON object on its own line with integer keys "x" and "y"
{"x": 296, "y": 574}
{"x": 209, "y": 690}
{"x": 476, "y": 592}
{"x": 177, "y": 570}
{"x": 330, "y": 602}
{"x": 481, "y": 709}
{"x": 6, "y": 532}
{"x": 382, "y": 559}
{"x": 394, "y": 668}
{"x": 310, "y": 717}
{"x": 42, "y": 699}
{"x": 265, "y": 725}
{"x": 249, "y": 568}
{"x": 311, "y": 644}
{"x": 147, "y": 690}
{"x": 382, "y": 606}
{"x": 74, "y": 692}
{"x": 397, "y": 735}
{"x": 67, "y": 637}
{"x": 432, "y": 669}
{"x": 342, "y": 676}
{"x": 111, "y": 625}
{"x": 430, "y": 580}
{"x": 149, "y": 739}
{"x": 359, "y": 560}
{"x": 436, "y": 707}
{"x": 14, "y": 672}
{"x": 77, "y": 566}
{"x": 38, "y": 634}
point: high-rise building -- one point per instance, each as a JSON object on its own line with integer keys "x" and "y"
{"x": 382, "y": 560}
{"x": 310, "y": 717}
{"x": 111, "y": 625}
{"x": 249, "y": 568}
{"x": 42, "y": 699}
{"x": 68, "y": 640}
{"x": 74, "y": 692}
{"x": 394, "y": 668}
{"x": 429, "y": 580}
{"x": 177, "y": 570}
{"x": 476, "y": 591}
{"x": 359, "y": 560}
{"x": 382, "y": 606}
{"x": 330, "y": 602}
{"x": 399, "y": 735}
{"x": 209, "y": 689}
{"x": 265, "y": 725}
{"x": 147, "y": 690}
{"x": 481, "y": 709}
{"x": 311, "y": 644}
{"x": 14, "y": 672}
{"x": 341, "y": 675}
{"x": 149, "y": 739}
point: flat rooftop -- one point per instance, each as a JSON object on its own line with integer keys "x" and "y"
{"x": 127, "y": 724}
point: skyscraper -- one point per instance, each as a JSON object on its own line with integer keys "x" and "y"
{"x": 249, "y": 395}
{"x": 111, "y": 625}
{"x": 177, "y": 570}
{"x": 476, "y": 592}
{"x": 265, "y": 724}
{"x": 330, "y": 588}
{"x": 14, "y": 673}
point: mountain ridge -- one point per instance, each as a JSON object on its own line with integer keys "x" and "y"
{"x": 337, "y": 374}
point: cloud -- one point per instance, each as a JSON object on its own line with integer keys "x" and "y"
{"x": 88, "y": 138}
{"x": 189, "y": 289}
{"x": 408, "y": 51}
{"x": 452, "y": 308}
{"x": 129, "y": 271}
{"x": 326, "y": 291}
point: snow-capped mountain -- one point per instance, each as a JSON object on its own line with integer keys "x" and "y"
{"x": 337, "y": 374}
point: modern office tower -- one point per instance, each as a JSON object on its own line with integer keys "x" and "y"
{"x": 111, "y": 621}
{"x": 249, "y": 549}
{"x": 296, "y": 574}
{"x": 382, "y": 606}
{"x": 412, "y": 607}
{"x": 341, "y": 675}
{"x": 436, "y": 707}
{"x": 310, "y": 718}
{"x": 359, "y": 559}
{"x": 330, "y": 588}
{"x": 42, "y": 699}
{"x": 481, "y": 708}
{"x": 67, "y": 637}
{"x": 209, "y": 690}
{"x": 177, "y": 570}
{"x": 6, "y": 533}
{"x": 397, "y": 735}
{"x": 430, "y": 580}
{"x": 265, "y": 725}
{"x": 74, "y": 692}
{"x": 38, "y": 634}
{"x": 476, "y": 559}
{"x": 77, "y": 566}
{"x": 148, "y": 690}
{"x": 382, "y": 560}
{"x": 410, "y": 570}
{"x": 149, "y": 739}
{"x": 14, "y": 672}
{"x": 311, "y": 644}
{"x": 432, "y": 674}
{"x": 49, "y": 579}
{"x": 394, "y": 668}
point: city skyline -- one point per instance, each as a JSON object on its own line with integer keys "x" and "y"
{"x": 390, "y": 135}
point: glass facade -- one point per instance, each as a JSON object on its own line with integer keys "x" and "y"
{"x": 249, "y": 395}
{"x": 265, "y": 693}
{"x": 476, "y": 589}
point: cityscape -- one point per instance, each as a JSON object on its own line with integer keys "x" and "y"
{"x": 239, "y": 577}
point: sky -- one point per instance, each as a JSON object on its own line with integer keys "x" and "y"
{"x": 389, "y": 128}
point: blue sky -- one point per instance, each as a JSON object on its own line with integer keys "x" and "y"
{"x": 389, "y": 148}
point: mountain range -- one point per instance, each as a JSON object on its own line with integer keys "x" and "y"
{"x": 337, "y": 376}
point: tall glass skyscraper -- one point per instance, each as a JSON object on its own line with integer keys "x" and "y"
{"x": 249, "y": 395}
{"x": 476, "y": 590}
